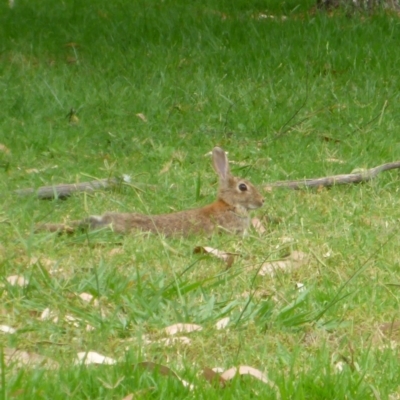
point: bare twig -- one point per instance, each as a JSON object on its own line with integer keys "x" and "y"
{"x": 65, "y": 190}
{"x": 332, "y": 180}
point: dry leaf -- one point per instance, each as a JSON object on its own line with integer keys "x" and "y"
{"x": 4, "y": 149}
{"x": 142, "y": 117}
{"x": 213, "y": 377}
{"x": 222, "y": 255}
{"x": 222, "y": 323}
{"x": 286, "y": 239}
{"x": 16, "y": 280}
{"x": 86, "y": 297}
{"x": 295, "y": 260}
{"x": 244, "y": 370}
{"x": 258, "y": 226}
{"x": 300, "y": 287}
{"x": 182, "y": 328}
{"x": 91, "y": 357}
{"x": 163, "y": 370}
{"x": 72, "y": 320}
{"x": 7, "y": 329}
{"x": 20, "y": 358}
{"x": 172, "y": 341}
{"x": 45, "y": 262}
{"x": 46, "y": 314}
{"x": 339, "y": 366}
{"x": 390, "y": 329}
{"x": 139, "y": 394}
{"x": 117, "y": 250}
{"x": 166, "y": 167}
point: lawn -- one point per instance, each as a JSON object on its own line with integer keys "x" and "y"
{"x": 154, "y": 86}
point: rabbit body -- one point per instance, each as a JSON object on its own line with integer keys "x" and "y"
{"x": 230, "y": 212}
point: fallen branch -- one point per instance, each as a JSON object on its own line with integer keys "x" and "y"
{"x": 333, "y": 180}
{"x": 65, "y": 190}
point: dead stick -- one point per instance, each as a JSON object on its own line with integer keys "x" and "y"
{"x": 332, "y": 180}
{"x": 65, "y": 190}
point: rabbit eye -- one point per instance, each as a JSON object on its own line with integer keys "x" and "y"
{"x": 242, "y": 187}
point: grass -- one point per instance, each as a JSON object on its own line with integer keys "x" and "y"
{"x": 307, "y": 96}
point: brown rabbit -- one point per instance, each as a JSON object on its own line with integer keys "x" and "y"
{"x": 229, "y": 212}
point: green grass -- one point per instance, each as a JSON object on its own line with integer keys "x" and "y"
{"x": 283, "y": 96}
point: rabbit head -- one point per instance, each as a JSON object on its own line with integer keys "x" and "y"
{"x": 234, "y": 191}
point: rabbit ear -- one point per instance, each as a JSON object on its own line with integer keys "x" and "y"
{"x": 220, "y": 163}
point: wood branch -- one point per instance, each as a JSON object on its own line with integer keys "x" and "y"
{"x": 65, "y": 190}
{"x": 333, "y": 180}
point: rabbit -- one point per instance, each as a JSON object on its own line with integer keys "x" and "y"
{"x": 229, "y": 212}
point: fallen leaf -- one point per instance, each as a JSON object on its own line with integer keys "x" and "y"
{"x": 166, "y": 167}
{"x": 117, "y": 250}
{"x": 295, "y": 260}
{"x": 228, "y": 258}
{"x": 139, "y": 394}
{"x": 163, "y": 370}
{"x": 91, "y": 357}
{"x": 20, "y": 358}
{"x": 339, "y": 366}
{"x": 86, "y": 297}
{"x": 45, "y": 262}
{"x": 222, "y": 323}
{"x": 300, "y": 287}
{"x": 7, "y": 329}
{"x": 182, "y": 328}
{"x": 89, "y": 298}
{"x": 286, "y": 239}
{"x": 16, "y": 280}
{"x": 4, "y": 149}
{"x": 142, "y": 117}
{"x": 174, "y": 340}
{"x": 213, "y": 377}
{"x": 46, "y": 314}
{"x": 270, "y": 267}
{"x": 244, "y": 370}
{"x": 390, "y": 328}
{"x": 258, "y": 226}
